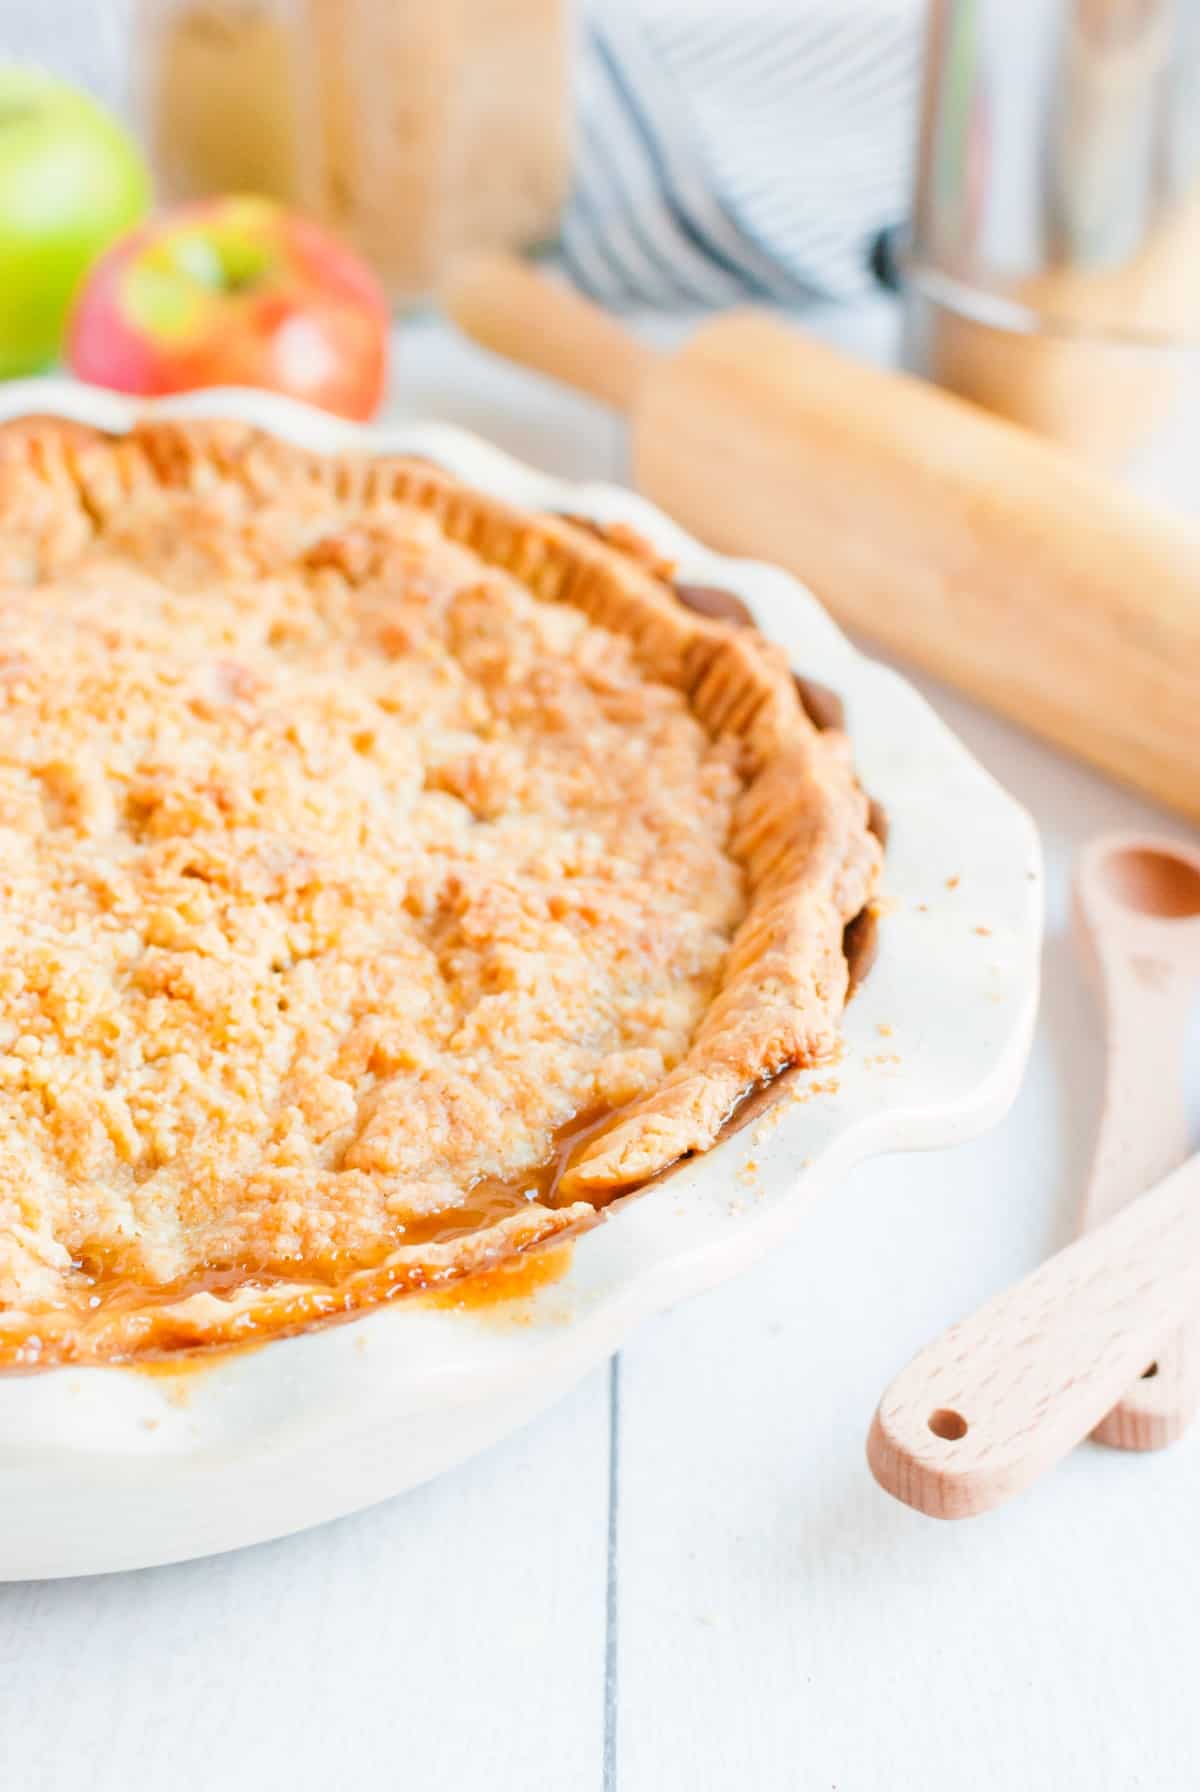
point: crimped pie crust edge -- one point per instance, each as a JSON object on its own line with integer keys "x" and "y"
{"x": 801, "y": 831}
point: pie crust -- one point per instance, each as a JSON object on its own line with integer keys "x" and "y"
{"x": 389, "y": 878}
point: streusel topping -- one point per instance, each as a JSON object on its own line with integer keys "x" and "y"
{"x": 323, "y": 903}
{"x": 362, "y": 840}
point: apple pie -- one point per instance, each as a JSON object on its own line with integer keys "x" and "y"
{"x": 389, "y": 878}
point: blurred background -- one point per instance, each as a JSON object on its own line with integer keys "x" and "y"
{"x": 1025, "y": 168}
{"x": 324, "y": 197}
{"x": 678, "y": 151}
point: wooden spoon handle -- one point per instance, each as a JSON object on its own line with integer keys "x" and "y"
{"x": 1143, "y": 1134}
{"x": 1162, "y": 1404}
{"x": 510, "y": 308}
{"x": 979, "y": 1414}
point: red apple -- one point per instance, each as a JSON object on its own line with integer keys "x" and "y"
{"x": 233, "y": 292}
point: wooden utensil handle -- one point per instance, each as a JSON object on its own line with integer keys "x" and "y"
{"x": 1143, "y": 1134}
{"x": 1162, "y": 1404}
{"x": 980, "y": 1413}
{"x": 517, "y": 312}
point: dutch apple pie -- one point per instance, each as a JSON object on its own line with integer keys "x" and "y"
{"x": 388, "y": 879}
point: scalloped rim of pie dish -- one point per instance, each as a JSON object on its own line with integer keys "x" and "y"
{"x": 801, "y": 832}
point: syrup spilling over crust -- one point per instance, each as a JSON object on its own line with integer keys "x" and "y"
{"x": 487, "y": 1204}
{"x": 509, "y": 1279}
{"x": 491, "y": 1201}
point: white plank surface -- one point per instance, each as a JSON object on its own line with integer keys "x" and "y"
{"x": 784, "y": 1624}
{"x": 454, "y": 1637}
{"x": 771, "y": 1621}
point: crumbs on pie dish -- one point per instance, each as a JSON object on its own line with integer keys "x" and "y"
{"x": 388, "y": 878}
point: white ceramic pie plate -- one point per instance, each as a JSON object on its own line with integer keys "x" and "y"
{"x": 119, "y": 1468}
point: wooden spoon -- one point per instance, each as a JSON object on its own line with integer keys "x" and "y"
{"x": 978, "y": 1415}
{"x": 1137, "y": 912}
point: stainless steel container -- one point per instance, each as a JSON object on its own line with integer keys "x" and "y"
{"x": 1053, "y": 262}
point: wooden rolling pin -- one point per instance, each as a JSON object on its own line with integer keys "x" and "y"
{"x": 962, "y": 542}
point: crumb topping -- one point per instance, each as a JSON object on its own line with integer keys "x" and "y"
{"x": 339, "y": 873}
{"x": 320, "y": 905}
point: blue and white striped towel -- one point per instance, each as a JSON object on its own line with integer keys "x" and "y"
{"x": 740, "y": 147}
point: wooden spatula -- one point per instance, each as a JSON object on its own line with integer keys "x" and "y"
{"x": 979, "y": 1414}
{"x": 966, "y": 543}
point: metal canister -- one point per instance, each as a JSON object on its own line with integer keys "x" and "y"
{"x": 1052, "y": 267}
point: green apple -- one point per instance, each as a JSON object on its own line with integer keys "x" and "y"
{"x": 70, "y": 181}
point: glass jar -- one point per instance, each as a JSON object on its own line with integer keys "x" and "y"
{"x": 223, "y": 97}
{"x": 416, "y": 131}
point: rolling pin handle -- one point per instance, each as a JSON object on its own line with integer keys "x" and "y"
{"x": 517, "y": 312}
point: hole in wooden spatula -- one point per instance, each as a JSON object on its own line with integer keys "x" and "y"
{"x": 947, "y": 1424}
{"x": 1150, "y": 1373}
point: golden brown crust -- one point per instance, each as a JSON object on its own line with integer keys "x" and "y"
{"x": 241, "y": 506}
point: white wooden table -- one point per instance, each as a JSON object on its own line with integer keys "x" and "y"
{"x": 683, "y": 1577}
